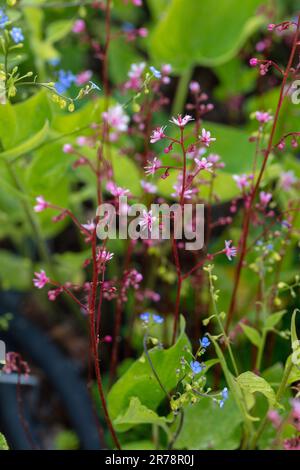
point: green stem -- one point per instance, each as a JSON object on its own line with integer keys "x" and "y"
{"x": 181, "y": 92}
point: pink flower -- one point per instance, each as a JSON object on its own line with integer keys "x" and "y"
{"x": 78, "y": 26}
{"x": 148, "y": 187}
{"x": 157, "y": 134}
{"x": 203, "y": 164}
{"x": 205, "y": 138}
{"x": 89, "y": 226}
{"x": 135, "y": 76}
{"x": 181, "y": 121}
{"x": 274, "y": 417}
{"x": 41, "y": 204}
{"x": 143, "y": 32}
{"x": 116, "y": 118}
{"x": 83, "y": 77}
{"x": 230, "y": 251}
{"x": 104, "y": 256}
{"x": 188, "y": 193}
{"x": 194, "y": 87}
{"x": 68, "y": 148}
{"x": 265, "y": 198}
{"x": 292, "y": 444}
{"x": 151, "y": 168}
{"x": 287, "y": 179}
{"x": 242, "y": 181}
{"x": 147, "y": 220}
{"x": 296, "y": 414}
{"x": 271, "y": 26}
{"x": 115, "y": 190}
{"x": 40, "y": 279}
{"x": 253, "y": 62}
{"x": 166, "y": 69}
{"x": 263, "y": 117}
{"x": 107, "y": 339}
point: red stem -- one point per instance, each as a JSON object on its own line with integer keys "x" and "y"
{"x": 248, "y": 212}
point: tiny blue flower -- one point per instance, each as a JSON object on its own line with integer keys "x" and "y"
{"x": 204, "y": 342}
{"x": 127, "y": 27}
{"x": 54, "y": 62}
{"x": 221, "y": 403}
{"x": 17, "y": 35}
{"x": 3, "y": 19}
{"x": 225, "y": 393}
{"x": 157, "y": 318}
{"x": 65, "y": 80}
{"x": 270, "y": 246}
{"x": 156, "y": 73}
{"x": 145, "y": 317}
{"x": 196, "y": 367}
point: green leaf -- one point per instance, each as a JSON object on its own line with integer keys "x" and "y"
{"x": 251, "y": 383}
{"x": 28, "y": 145}
{"x": 58, "y": 30}
{"x": 294, "y": 336}
{"x": 136, "y": 414}
{"x": 139, "y": 381}
{"x": 126, "y": 173}
{"x": 272, "y": 320}
{"x": 192, "y": 33}
{"x": 219, "y": 428}
{"x": 139, "y": 445}
{"x": 3, "y": 443}
{"x": 15, "y": 272}
{"x": 294, "y": 375}
{"x": 252, "y": 334}
{"x": 157, "y": 7}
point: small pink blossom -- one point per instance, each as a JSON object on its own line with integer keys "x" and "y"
{"x": 296, "y": 413}
{"x": 275, "y": 418}
{"x": 287, "y": 179}
{"x": 89, "y": 226}
{"x": 115, "y": 190}
{"x": 265, "y": 198}
{"x": 147, "y": 220}
{"x": 292, "y": 444}
{"x": 116, "y": 118}
{"x": 166, "y": 69}
{"x": 181, "y": 121}
{"x": 253, "y": 62}
{"x": 242, "y": 181}
{"x": 83, "y": 77}
{"x": 152, "y": 167}
{"x": 157, "y": 134}
{"x": 194, "y": 87}
{"x": 79, "y": 26}
{"x": 135, "y": 76}
{"x": 230, "y": 251}
{"x": 263, "y": 117}
{"x": 205, "y": 138}
{"x": 203, "y": 164}
{"x": 40, "y": 279}
{"x": 68, "y": 148}
{"x": 41, "y": 204}
{"x": 104, "y": 255}
{"x": 143, "y": 32}
{"x": 271, "y": 26}
{"x": 148, "y": 187}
